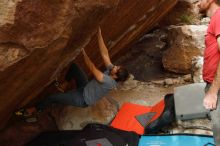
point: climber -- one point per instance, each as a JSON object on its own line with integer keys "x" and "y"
{"x": 87, "y": 92}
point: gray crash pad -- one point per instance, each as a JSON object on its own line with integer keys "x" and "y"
{"x": 188, "y": 101}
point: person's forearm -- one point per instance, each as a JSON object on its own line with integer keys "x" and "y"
{"x": 102, "y": 46}
{"x": 216, "y": 82}
{"x": 218, "y": 41}
{"x": 97, "y": 73}
{"x": 88, "y": 62}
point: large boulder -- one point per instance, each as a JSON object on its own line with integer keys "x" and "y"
{"x": 126, "y": 24}
{"x": 186, "y": 42}
{"x": 38, "y": 38}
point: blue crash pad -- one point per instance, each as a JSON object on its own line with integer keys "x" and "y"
{"x": 176, "y": 140}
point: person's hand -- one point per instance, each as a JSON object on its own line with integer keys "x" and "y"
{"x": 210, "y": 101}
{"x": 83, "y": 51}
{"x": 99, "y": 31}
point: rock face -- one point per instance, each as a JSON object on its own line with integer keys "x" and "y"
{"x": 186, "y": 39}
{"x": 147, "y": 53}
{"x": 186, "y": 42}
{"x": 184, "y": 12}
{"x": 126, "y": 24}
{"x": 197, "y": 66}
{"x": 39, "y": 38}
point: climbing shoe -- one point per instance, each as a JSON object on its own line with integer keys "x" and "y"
{"x": 28, "y": 115}
{"x": 26, "y": 112}
{"x": 31, "y": 119}
{"x": 58, "y": 86}
{"x": 22, "y": 112}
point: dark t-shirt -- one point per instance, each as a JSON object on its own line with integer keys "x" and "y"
{"x": 95, "y": 90}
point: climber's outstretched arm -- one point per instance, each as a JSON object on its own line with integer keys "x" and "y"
{"x": 97, "y": 73}
{"x": 103, "y": 49}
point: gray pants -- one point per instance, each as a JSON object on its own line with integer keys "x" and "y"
{"x": 215, "y": 117}
{"x": 72, "y": 97}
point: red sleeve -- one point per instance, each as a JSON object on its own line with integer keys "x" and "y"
{"x": 217, "y": 24}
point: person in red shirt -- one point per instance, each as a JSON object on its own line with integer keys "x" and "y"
{"x": 211, "y": 66}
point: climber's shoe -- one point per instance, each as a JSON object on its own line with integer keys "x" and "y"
{"x": 22, "y": 112}
{"x": 31, "y": 119}
{"x": 58, "y": 86}
{"x": 26, "y": 112}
